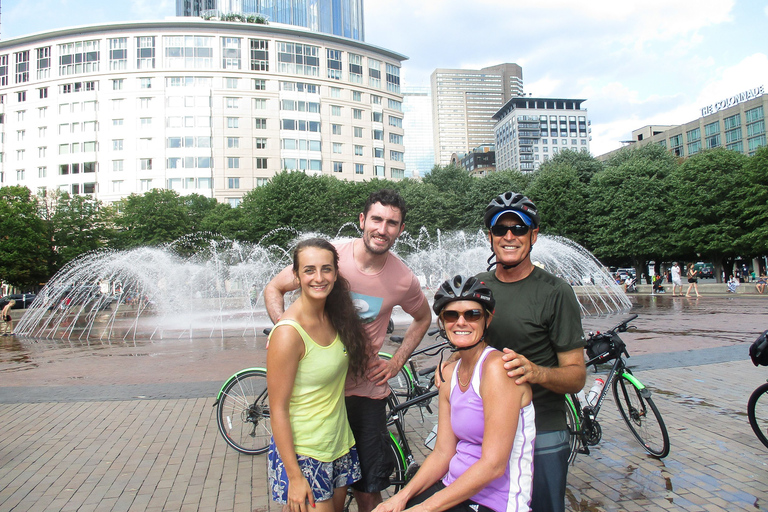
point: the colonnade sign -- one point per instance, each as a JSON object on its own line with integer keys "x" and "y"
{"x": 733, "y": 100}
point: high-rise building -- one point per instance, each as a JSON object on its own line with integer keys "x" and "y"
{"x": 464, "y": 102}
{"x": 197, "y": 106}
{"x": 417, "y": 123}
{"x": 338, "y": 17}
{"x": 529, "y": 131}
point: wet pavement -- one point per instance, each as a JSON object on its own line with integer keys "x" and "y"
{"x": 124, "y": 425}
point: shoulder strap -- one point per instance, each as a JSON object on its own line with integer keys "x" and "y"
{"x": 476, "y": 376}
{"x": 295, "y": 325}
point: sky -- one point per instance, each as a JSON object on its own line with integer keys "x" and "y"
{"x": 636, "y": 63}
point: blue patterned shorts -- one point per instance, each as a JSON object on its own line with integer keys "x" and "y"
{"x": 323, "y": 477}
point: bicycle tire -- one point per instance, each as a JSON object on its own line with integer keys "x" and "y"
{"x": 634, "y": 405}
{"x": 402, "y": 384}
{"x": 757, "y": 410}
{"x": 397, "y": 478}
{"x": 242, "y": 413}
{"x": 574, "y": 426}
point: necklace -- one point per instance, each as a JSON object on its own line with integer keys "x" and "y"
{"x": 463, "y": 385}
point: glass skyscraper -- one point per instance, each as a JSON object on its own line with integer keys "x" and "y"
{"x": 338, "y": 17}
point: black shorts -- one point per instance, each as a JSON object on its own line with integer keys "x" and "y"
{"x": 368, "y": 420}
{"x": 464, "y": 506}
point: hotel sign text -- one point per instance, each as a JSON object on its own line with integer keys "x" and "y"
{"x": 733, "y": 100}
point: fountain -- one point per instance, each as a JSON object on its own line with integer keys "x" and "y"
{"x": 154, "y": 293}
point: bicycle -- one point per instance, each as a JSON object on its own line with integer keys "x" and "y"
{"x": 632, "y": 398}
{"x": 242, "y": 413}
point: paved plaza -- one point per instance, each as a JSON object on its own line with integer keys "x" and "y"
{"x": 119, "y": 426}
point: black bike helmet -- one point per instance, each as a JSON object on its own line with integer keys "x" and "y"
{"x": 511, "y": 202}
{"x": 463, "y": 288}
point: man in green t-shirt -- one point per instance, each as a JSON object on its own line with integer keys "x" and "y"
{"x": 537, "y": 323}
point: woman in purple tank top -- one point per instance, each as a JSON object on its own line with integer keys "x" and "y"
{"x": 483, "y": 457}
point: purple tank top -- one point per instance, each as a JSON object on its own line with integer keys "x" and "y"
{"x": 512, "y": 490}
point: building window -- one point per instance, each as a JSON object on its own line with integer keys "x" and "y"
{"x": 358, "y": 131}
{"x": 374, "y": 73}
{"x": 117, "y": 165}
{"x": 189, "y": 52}
{"x": 118, "y": 54}
{"x": 20, "y": 173}
{"x": 260, "y": 123}
{"x": 357, "y": 96}
{"x": 755, "y": 143}
{"x": 21, "y": 96}
{"x": 260, "y": 182}
{"x": 232, "y": 102}
{"x": 357, "y": 113}
{"x": 260, "y": 163}
{"x": 259, "y": 55}
{"x": 755, "y": 128}
{"x": 145, "y": 52}
{"x": 89, "y": 147}
{"x": 42, "y": 172}
{"x": 693, "y": 135}
{"x": 145, "y": 185}
{"x": 333, "y": 63}
{"x": 337, "y": 167}
{"x": 41, "y": 151}
{"x": 233, "y": 162}
{"x": 375, "y": 99}
{"x": 145, "y": 83}
{"x": 79, "y": 57}
{"x": 145, "y": 122}
{"x": 395, "y": 121}
{"x": 298, "y": 59}
{"x": 145, "y": 164}
{"x": 359, "y": 169}
{"x": 335, "y": 110}
{"x": 145, "y": 103}
{"x": 3, "y": 70}
{"x": 395, "y": 138}
{"x": 378, "y": 152}
{"x": 395, "y": 105}
{"x": 22, "y": 66}
{"x": 233, "y": 142}
{"x": 234, "y": 202}
{"x": 117, "y": 144}
{"x": 232, "y": 83}
{"x": 117, "y": 186}
{"x": 337, "y": 147}
{"x": 393, "y": 79}
{"x": 732, "y": 122}
{"x": 230, "y": 53}
{"x": 260, "y": 143}
{"x": 336, "y": 129}
{"x": 259, "y": 104}
{"x": 355, "y": 68}
{"x": 377, "y": 117}
{"x": 733, "y": 135}
{"x": 233, "y": 122}
{"x": 754, "y": 114}
{"x": 43, "y": 62}
{"x": 378, "y": 134}
{"x": 233, "y": 182}
{"x": 358, "y": 150}
{"x": 259, "y": 84}
{"x": 378, "y": 170}
{"x": 397, "y": 173}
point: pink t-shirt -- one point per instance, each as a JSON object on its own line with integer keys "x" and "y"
{"x": 374, "y": 296}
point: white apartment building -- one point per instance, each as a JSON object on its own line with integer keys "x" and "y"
{"x": 529, "y": 131}
{"x": 208, "y": 107}
{"x": 464, "y": 102}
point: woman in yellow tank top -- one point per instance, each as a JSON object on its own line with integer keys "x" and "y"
{"x": 318, "y": 339}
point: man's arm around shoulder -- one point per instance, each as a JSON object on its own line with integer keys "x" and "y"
{"x": 275, "y": 291}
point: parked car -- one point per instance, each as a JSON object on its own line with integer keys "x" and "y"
{"x": 23, "y": 300}
{"x": 706, "y": 270}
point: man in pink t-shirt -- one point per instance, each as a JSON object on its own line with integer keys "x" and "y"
{"x": 378, "y": 281}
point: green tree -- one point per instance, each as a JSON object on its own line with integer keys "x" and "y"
{"x": 155, "y": 218}
{"x": 79, "y": 226}
{"x": 707, "y": 195}
{"x": 629, "y": 207}
{"x": 562, "y": 199}
{"x": 23, "y": 244}
{"x": 753, "y": 201}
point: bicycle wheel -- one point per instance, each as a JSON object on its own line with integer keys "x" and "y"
{"x": 397, "y": 478}
{"x": 641, "y": 416}
{"x": 401, "y": 384}
{"x": 574, "y": 427}
{"x": 243, "y": 413}
{"x": 757, "y": 409}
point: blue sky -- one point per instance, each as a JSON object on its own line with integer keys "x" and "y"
{"x": 636, "y": 63}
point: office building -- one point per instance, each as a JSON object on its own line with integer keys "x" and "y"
{"x": 478, "y": 162}
{"x": 417, "y": 123}
{"x": 529, "y": 131}
{"x": 208, "y": 107}
{"x": 736, "y": 123}
{"x": 338, "y": 17}
{"x": 464, "y": 102}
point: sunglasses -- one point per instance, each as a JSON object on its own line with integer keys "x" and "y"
{"x": 517, "y": 229}
{"x": 470, "y": 315}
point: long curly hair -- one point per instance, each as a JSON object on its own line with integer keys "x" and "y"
{"x": 340, "y": 309}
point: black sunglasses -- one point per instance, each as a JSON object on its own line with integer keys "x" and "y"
{"x": 517, "y": 229}
{"x": 470, "y": 315}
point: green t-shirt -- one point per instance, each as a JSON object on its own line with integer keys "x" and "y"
{"x": 538, "y": 317}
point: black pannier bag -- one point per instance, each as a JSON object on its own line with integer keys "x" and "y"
{"x": 758, "y": 352}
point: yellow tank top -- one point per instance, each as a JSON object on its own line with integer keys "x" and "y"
{"x": 317, "y": 410}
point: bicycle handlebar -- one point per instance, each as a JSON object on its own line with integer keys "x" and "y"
{"x": 622, "y": 327}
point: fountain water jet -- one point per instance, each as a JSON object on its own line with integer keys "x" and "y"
{"x": 153, "y": 293}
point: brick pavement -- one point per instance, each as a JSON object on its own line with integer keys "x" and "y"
{"x": 166, "y": 454}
